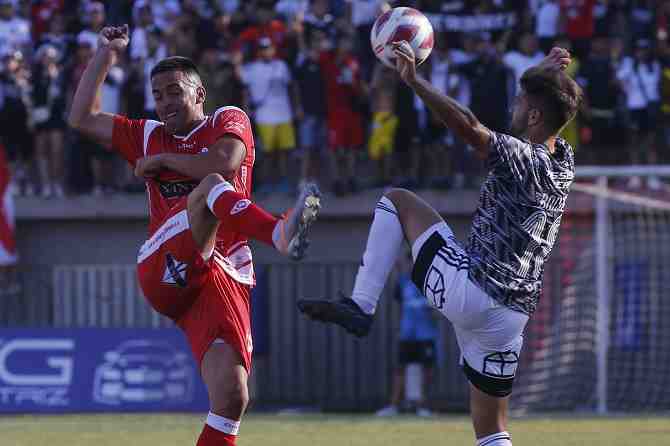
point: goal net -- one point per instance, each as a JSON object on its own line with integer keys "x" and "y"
{"x": 600, "y": 339}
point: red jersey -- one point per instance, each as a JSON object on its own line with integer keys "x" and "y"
{"x": 579, "y": 23}
{"x": 137, "y": 138}
{"x": 342, "y": 82}
{"x": 7, "y": 241}
{"x": 274, "y": 30}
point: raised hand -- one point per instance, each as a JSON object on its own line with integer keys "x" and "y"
{"x": 405, "y": 61}
{"x": 558, "y": 58}
{"x": 114, "y": 37}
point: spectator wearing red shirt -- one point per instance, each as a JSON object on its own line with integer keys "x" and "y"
{"x": 579, "y": 24}
{"x": 344, "y": 91}
{"x": 42, "y": 12}
{"x": 266, "y": 26}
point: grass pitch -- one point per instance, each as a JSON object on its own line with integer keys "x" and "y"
{"x": 326, "y": 430}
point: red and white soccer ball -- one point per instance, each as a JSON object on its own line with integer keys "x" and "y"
{"x": 400, "y": 24}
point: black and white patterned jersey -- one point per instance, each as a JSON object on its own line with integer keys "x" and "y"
{"x": 516, "y": 224}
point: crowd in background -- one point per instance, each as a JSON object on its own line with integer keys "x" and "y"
{"x": 322, "y": 106}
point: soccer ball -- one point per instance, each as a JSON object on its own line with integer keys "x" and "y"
{"x": 400, "y": 24}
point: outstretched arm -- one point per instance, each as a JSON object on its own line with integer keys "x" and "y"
{"x": 454, "y": 115}
{"x": 85, "y": 114}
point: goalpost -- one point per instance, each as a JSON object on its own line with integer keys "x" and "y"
{"x": 600, "y": 339}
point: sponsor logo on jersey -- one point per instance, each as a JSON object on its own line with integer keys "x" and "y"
{"x": 185, "y": 145}
{"x": 172, "y": 189}
{"x": 175, "y": 271}
{"x": 240, "y": 206}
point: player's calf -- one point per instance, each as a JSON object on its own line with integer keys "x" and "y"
{"x": 236, "y": 212}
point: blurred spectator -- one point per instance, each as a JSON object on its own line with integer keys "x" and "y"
{"x": 223, "y": 85}
{"x": 87, "y": 156}
{"x": 144, "y": 21}
{"x": 418, "y": 333}
{"x": 15, "y": 134}
{"x": 547, "y": 24}
{"x": 434, "y": 135}
{"x": 8, "y": 255}
{"x": 577, "y": 16}
{"x": 345, "y": 92}
{"x": 164, "y": 12}
{"x": 264, "y": 25}
{"x": 94, "y": 18}
{"x": 641, "y": 17}
{"x": 319, "y": 20}
{"x": 459, "y": 88}
{"x": 362, "y": 15}
{"x": 42, "y": 13}
{"x": 525, "y": 57}
{"x": 384, "y": 122}
{"x": 14, "y": 30}
{"x": 268, "y": 82}
{"x": 491, "y": 84}
{"x": 56, "y": 37}
{"x": 604, "y": 120}
{"x": 182, "y": 36}
{"x": 312, "y": 111}
{"x": 48, "y": 95}
{"x": 640, "y": 77}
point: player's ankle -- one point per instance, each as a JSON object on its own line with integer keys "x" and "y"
{"x": 497, "y": 439}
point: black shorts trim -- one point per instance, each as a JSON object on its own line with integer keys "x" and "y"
{"x": 496, "y": 387}
{"x": 425, "y": 259}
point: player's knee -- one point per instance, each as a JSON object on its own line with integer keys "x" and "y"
{"x": 197, "y": 199}
{"x": 400, "y": 197}
{"x": 234, "y": 400}
{"x": 210, "y": 181}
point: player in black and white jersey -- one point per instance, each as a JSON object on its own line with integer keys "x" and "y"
{"x": 489, "y": 288}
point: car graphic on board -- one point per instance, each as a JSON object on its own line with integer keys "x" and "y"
{"x": 143, "y": 371}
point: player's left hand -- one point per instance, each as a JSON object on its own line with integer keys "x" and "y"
{"x": 149, "y": 166}
{"x": 405, "y": 61}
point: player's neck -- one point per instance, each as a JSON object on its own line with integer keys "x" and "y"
{"x": 191, "y": 125}
{"x": 541, "y": 137}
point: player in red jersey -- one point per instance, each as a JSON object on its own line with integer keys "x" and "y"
{"x": 196, "y": 266}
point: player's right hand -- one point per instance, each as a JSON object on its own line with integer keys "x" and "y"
{"x": 558, "y": 58}
{"x": 114, "y": 37}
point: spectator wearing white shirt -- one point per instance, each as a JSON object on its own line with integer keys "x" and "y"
{"x": 95, "y": 20}
{"x": 639, "y": 76}
{"x": 269, "y": 84}
{"x": 547, "y": 23}
{"x": 14, "y": 31}
{"x": 144, "y": 19}
{"x": 527, "y": 56}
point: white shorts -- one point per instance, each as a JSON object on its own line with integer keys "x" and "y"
{"x": 489, "y": 334}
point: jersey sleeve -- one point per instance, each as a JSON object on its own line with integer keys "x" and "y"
{"x": 128, "y": 138}
{"x": 510, "y": 154}
{"x": 234, "y": 121}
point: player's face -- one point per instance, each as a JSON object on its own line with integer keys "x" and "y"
{"x": 520, "y": 115}
{"x": 179, "y": 100}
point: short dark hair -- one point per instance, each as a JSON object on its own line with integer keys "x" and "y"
{"x": 177, "y": 63}
{"x": 555, "y": 92}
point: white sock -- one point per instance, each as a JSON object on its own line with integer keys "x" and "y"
{"x": 223, "y": 424}
{"x": 380, "y": 255}
{"x": 499, "y": 439}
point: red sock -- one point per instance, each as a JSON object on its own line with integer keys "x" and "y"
{"x": 212, "y": 437}
{"x": 240, "y": 214}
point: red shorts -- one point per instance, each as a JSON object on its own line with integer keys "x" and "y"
{"x": 204, "y": 301}
{"x": 345, "y": 130}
